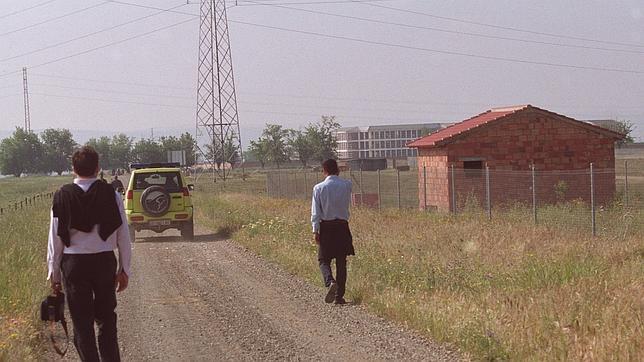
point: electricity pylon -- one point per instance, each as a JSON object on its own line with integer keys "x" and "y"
{"x": 217, "y": 114}
{"x": 25, "y": 85}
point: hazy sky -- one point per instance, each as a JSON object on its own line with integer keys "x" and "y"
{"x": 444, "y": 61}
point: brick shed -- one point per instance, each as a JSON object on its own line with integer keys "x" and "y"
{"x": 509, "y": 141}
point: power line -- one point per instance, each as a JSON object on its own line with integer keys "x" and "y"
{"x": 104, "y": 45}
{"x": 27, "y": 9}
{"x": 441, "y": 51}
{"x": 55, "y": 18}
{"x": 527, "y": 31}
{"x": 112, "y": 91}
{"x": 479, "y": 35}
{"x": 191, "y": 107}
{"x": 90, "y": 34}
{"x": 149, "y": 85}
{"x": 113, "y": 101}
{"x": 264, "y": 94}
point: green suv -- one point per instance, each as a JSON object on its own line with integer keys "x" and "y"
{"x": 158, "y": 199}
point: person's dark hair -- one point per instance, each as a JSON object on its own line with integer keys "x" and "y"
{"x": 85, "y": 161}
{"x": 330, "y": 166}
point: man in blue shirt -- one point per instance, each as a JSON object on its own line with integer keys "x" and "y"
{"x": 329, "y": 218}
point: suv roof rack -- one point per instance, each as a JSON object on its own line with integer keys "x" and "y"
{"x": 136, "y": 166}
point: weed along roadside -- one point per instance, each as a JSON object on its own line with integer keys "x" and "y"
{"x": 23, "y": 267}
{"x": 22, "y": 282}
{"x": 496, "y": 289}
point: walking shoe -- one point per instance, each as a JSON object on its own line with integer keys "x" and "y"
{"x": 330, "y": 294}
{"x": 339, "y": 300}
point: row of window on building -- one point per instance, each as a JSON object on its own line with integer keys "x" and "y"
{"x": 406, "y": 152}
{"x": 365, "y": 145}
{"x": 355, "y": 136}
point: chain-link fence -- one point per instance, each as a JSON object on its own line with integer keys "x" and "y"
{"x": 588, "y": 200}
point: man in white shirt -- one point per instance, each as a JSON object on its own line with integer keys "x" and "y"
{"x": 330, "y": 221}
{"x": 87, "y": 223}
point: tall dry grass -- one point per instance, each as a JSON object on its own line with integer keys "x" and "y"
{"x": 23, "y": 269}
{"x": 496, "y": 289}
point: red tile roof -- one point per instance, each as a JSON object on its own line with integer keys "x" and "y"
{"x": 444, "y": 135}
{"x": 464, "y": 126}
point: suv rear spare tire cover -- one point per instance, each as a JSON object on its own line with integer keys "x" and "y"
{"x": 155, "y": 201}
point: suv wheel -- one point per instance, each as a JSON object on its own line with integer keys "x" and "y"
{"x": 155, "y": 201}
{"x": 188, "y": 230}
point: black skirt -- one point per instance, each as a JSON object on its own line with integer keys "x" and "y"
{"x": 335, "y": 240}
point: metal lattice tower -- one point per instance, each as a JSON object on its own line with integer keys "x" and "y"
{"x": 26, "y": 100}
{"x": 216, "y": 99}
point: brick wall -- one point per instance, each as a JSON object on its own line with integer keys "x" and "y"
{"x": 561, "y": 152}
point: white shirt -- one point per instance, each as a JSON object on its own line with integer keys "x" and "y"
{"x": 88, "y": 243}
{"x": 331, "y": 200}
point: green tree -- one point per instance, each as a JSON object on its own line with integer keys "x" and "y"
{"x": 120, "y": 151}
{"x": 148, "y": 150}
{"x": 425, "y": 131}
{"x": 321, "y": 137}
{"x": 58, "y": 146}
{"x": 189, "y": 144}
{"x": 626, "y": 128}
{"x": 185, "y": 143}
{"x": 277, "y": 149}
{"x": 259, "y": 151}
{"x": 102, "y": 146}
{"x": 21, "y": 153}
{"x": 302, "y": 145}
{"x": 230, "y": 153}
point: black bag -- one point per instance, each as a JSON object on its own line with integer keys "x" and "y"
{"x": 52, "y": 310}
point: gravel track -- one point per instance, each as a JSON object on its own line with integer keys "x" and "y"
{"x": 213, "y": 300}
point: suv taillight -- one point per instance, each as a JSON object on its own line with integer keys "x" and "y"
{"x": 185, "y": 191}
{"x": 130, "y": 195}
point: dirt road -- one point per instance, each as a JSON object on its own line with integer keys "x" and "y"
{"x": 212, "y": 300}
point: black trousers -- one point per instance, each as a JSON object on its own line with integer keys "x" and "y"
{"x": 89, "y": 285}
{"x": 340, "y": 270}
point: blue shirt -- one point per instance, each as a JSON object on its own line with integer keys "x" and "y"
{"x": 331, "y": 200}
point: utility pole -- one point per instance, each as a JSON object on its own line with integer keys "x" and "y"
{"x": 26, "y": 100}
{"x": 217, "y": 114}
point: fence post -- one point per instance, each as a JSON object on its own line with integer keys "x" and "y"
{"x": 279, "y": 184}
{"x": 295, "y": 182}
{"x": 424, "y": 187}
{"x": 306, "y": 185}
{"x": 592, "y": 199}
{"x": 361, "y": 187}
{"x": 453, "y": 191}
{"x": 268, "y": 185}
{"x": 379, "y": 196}
{"x": 625, "y": 184}
{"x": 534, "y": 194}
{"x": 487, "y": 192}
{"x": 398, "y": 185}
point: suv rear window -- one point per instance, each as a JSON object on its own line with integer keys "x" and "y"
{"x": 171, "y": 181}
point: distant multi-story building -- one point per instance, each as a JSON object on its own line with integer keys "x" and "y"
{"x": 381, "y": 141}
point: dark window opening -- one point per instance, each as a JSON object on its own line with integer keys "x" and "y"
{"x": 473, "y": 168}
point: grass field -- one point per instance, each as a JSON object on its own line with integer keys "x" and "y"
{"x": 23, "y": 270}
{"x": 501, "y": 289}
{"x": 496, "y": 289}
